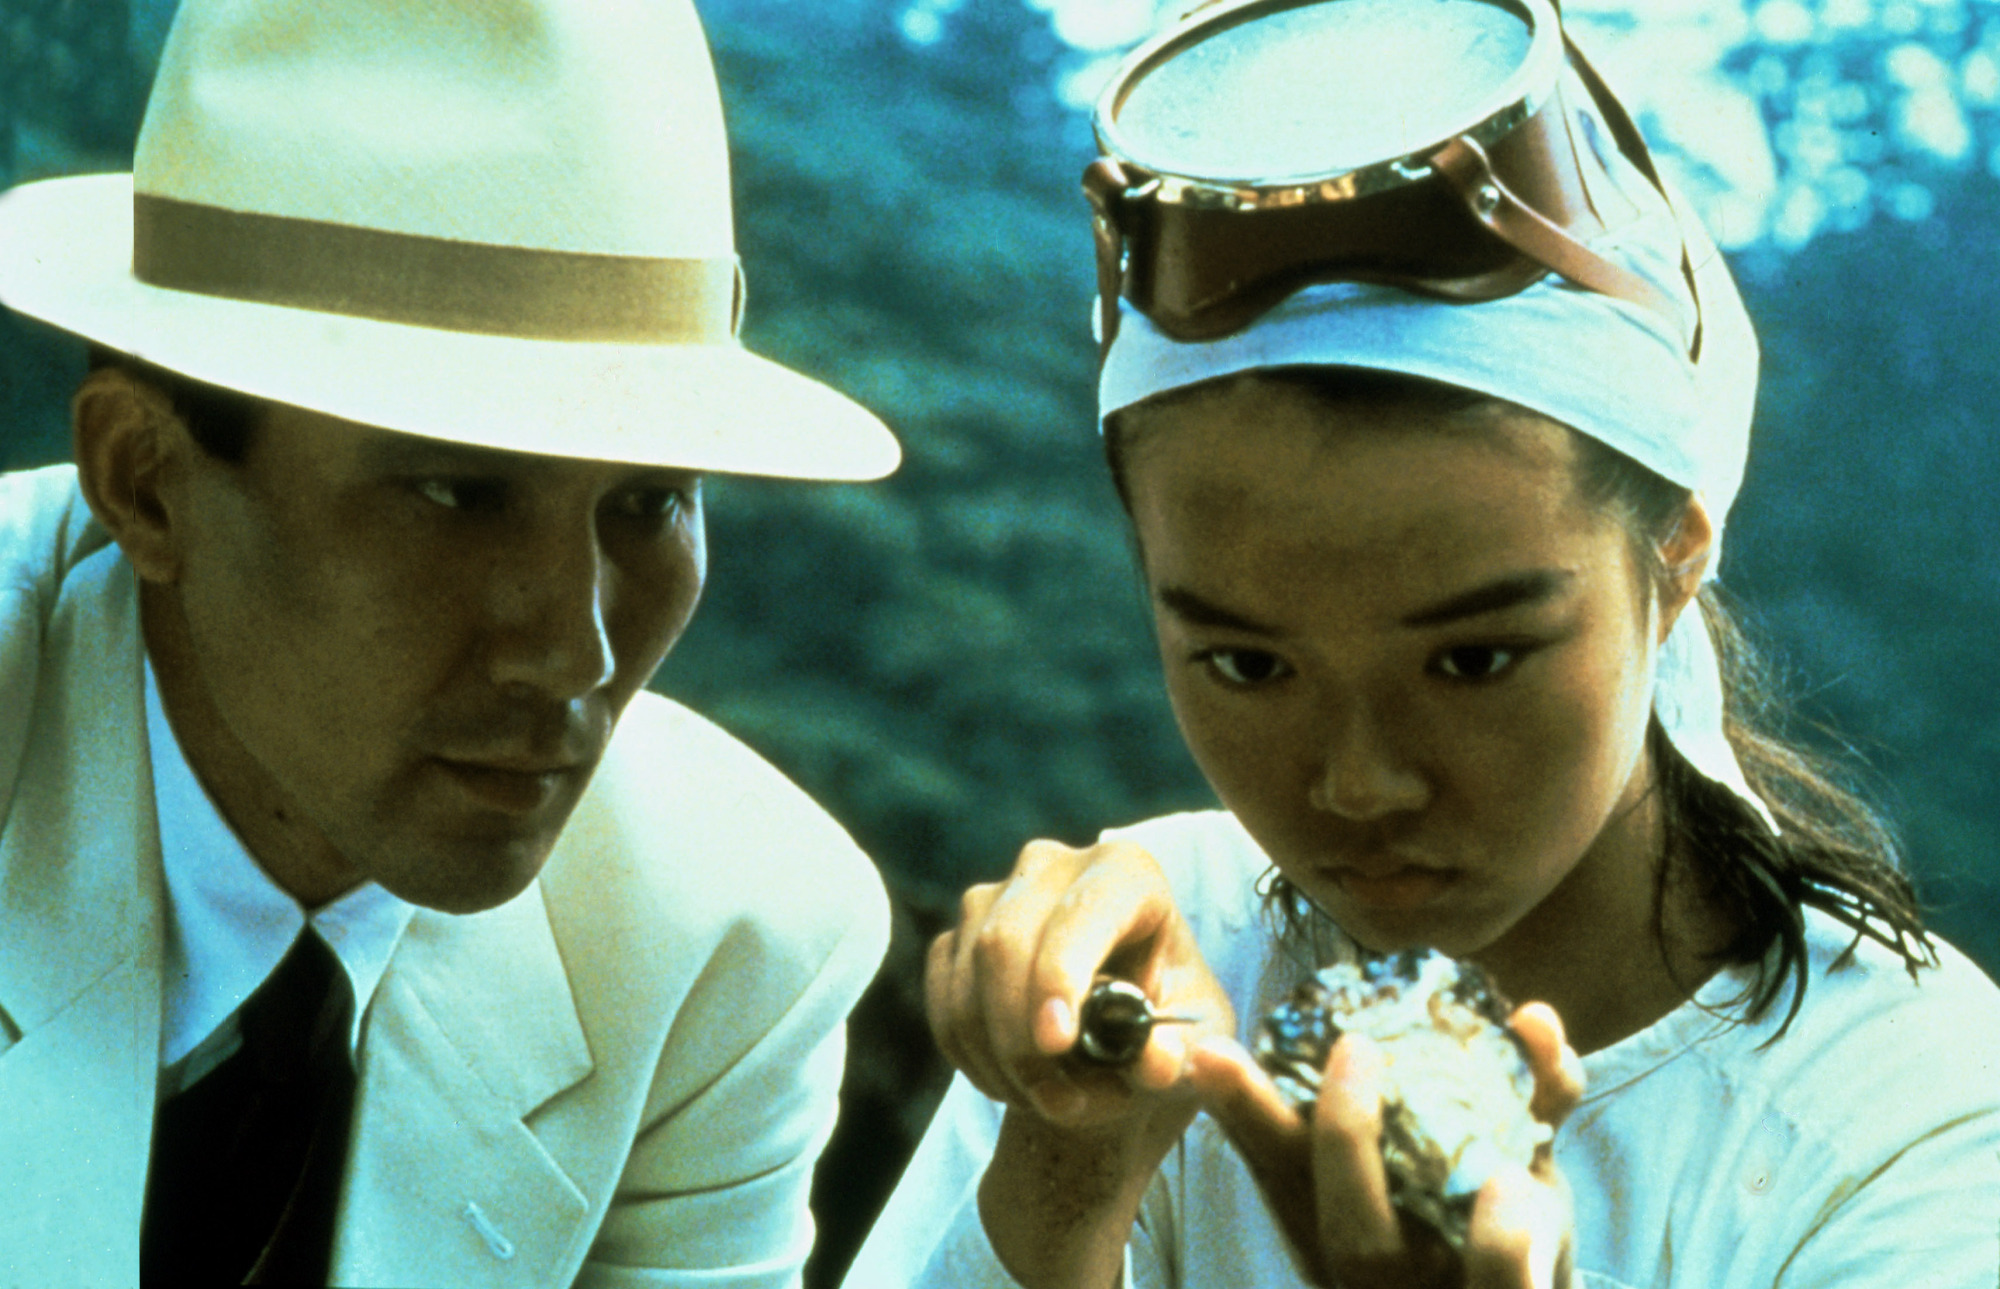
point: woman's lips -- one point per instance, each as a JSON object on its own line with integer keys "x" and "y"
{"x": 1407, "y": 886}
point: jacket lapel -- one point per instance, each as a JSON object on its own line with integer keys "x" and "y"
{"x": 80, "y": 937}
{"x": 473, "y": 1028}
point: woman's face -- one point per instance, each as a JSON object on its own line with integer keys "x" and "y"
{"x": 1410, "y": 660}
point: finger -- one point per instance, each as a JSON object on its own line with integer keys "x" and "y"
{"x": 966, "y": 1006}
{"x": 949, "y": 1027}
{"x": 1357, "y": 1221}
{"x": 1125, "y": 901}
{"x": 937, "y": 994}
{"x": 1168, "y": 1058}
{"x": 943, "y": 1008}
{"x": 1003, "y": 960}
{"x": 1499, "y": 1240}
{"x": 1519, "y": 1235}
{"x": 1112, "y": 913}
{"x": 1274, "y": 1141}
{"x": 1559, "y": 1077}
{"x": 1264, "y": 1127}
{"x": 1085, "y": 912}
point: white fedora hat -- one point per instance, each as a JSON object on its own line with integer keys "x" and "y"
{"x": 504, "y": 223}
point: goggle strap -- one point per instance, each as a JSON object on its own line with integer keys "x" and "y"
{"x": 1584, "y": 173}
{"x": 1464, "y": 165}
{"x": 1105, "y": 185}
{"x": 1633, "y": 144}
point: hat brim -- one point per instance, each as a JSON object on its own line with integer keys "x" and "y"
{"x": 65, "y": 258}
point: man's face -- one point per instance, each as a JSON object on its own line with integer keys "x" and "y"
{"x": 394, "y": 658}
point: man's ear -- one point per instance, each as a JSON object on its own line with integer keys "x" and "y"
{"x": 128, "y": 443}
{"x": 1685, "y": 554}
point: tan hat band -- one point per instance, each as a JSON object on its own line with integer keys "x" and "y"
{"x": 433, "y": 281}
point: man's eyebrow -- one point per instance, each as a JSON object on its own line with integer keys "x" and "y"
{"x": 1191, "y": 608}
{"x": 411, "y": 452}
{"x": 1505, "y": 593}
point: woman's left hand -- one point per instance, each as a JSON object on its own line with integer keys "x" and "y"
{"x": 1324, "y": 1180}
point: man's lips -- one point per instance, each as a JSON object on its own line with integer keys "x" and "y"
{"x": 516, "y": 764}
{"x": 513, "y": 786}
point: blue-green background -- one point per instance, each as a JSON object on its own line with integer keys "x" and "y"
{"x": 956, "y": 660}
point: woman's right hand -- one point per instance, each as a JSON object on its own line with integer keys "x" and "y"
{"x": 1080, "y": 1142}
{"x": 1003, "y": 988}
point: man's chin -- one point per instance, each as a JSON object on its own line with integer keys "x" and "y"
{"x": 471, "y": 879}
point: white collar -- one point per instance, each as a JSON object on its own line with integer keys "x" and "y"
{"x": 229, "y": 924}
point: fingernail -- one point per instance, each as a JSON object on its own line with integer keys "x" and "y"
{"x": 1364, "y": 1064}
{"x": 1060, "y": 1022}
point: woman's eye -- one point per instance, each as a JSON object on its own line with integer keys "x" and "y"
{"x": 1476, "y": 662}
{"x": 1246, "y": 666}
{"x": 462, "y": 494}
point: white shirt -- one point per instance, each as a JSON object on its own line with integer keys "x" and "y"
{"x": 1861, "y": 1149}
{"x": 229, "y": 924}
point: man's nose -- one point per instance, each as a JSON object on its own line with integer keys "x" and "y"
{"x": 1367, "y": 773}
{"x": 552, "y": 595}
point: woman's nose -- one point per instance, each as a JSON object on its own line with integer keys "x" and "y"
{"x": 1366, "y": 774}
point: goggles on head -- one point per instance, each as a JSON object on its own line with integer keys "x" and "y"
{"x": 1261, "y": 145}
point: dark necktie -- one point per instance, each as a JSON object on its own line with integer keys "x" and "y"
{"x": 247, "y": 1163}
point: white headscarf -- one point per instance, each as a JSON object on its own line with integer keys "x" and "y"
{"x": 1613, "y": 371}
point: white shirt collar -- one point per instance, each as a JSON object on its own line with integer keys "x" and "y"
{"x": 229, "y": 924}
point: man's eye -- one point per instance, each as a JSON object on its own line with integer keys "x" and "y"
{"x": 1476, "y": 662}
{"x": 652, "y": 503}
{"x": 1246, "y": 666}
{"x": 463, "y": 494}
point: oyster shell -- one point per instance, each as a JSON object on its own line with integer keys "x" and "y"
{"x": 1456, "y": 1108}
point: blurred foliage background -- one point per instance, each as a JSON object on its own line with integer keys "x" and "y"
{"x": 958, "y": 659}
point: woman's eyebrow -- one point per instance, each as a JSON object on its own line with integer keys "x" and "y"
{"x": 1505, "y": 593}
{"x": 1191, "y": 608}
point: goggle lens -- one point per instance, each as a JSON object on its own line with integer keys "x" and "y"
{"x": 1262, "y": 145}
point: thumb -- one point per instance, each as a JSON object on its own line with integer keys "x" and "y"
{"x": 1273, "y": 1140}
{"x": 1520, "y": 1234}
{"x": 1271, "y": 1136}
{"x": 1559, "y": 1076}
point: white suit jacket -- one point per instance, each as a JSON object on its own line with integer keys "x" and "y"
{"x": 621, "y": 1077}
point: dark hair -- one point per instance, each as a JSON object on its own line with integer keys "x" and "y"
{"x": 1836, "y": 852}
{"x": 222, "y": 421}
